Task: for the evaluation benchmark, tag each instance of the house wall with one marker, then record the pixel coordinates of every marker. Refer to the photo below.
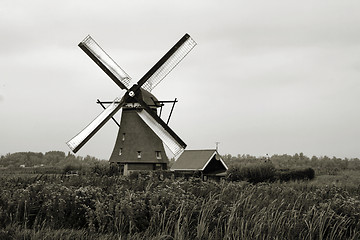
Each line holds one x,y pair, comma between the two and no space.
132,167
140,166
214,166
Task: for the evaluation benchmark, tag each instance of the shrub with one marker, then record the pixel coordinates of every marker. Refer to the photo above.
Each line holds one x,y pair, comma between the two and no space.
253,173
70,168
234,173
104,169
298,174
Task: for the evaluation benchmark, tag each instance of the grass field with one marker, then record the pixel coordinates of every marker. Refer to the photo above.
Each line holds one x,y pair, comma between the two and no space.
115,207
96,203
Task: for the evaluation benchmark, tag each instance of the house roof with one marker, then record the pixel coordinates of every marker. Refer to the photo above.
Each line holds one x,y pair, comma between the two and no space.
195,160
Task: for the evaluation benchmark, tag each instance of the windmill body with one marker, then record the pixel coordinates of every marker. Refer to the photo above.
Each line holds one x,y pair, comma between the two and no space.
142,133
137,147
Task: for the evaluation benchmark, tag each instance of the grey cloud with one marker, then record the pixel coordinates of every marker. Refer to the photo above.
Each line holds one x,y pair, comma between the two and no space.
262,71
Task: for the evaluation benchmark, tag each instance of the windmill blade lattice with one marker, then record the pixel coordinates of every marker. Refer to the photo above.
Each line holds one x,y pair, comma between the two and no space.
161,129
82,137
176,54
174,146
105,62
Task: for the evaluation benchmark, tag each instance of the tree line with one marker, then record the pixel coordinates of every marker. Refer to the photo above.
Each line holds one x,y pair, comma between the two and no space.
52,159
59,159
323,164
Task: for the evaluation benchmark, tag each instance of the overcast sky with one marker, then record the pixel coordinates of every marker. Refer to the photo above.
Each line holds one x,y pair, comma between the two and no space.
267,77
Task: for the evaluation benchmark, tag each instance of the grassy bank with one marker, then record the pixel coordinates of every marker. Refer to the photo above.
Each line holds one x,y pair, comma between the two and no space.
93,206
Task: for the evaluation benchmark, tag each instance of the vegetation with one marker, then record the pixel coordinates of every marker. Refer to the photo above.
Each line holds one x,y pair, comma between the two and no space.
321,165
266,172
52,161
98,204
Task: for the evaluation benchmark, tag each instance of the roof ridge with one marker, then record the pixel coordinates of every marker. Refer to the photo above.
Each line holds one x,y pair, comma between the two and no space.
195,159
200,150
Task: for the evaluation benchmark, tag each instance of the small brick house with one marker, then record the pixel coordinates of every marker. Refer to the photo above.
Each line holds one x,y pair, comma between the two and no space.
207,162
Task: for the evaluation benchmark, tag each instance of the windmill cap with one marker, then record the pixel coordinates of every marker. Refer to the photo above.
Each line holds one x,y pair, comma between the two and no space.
148,98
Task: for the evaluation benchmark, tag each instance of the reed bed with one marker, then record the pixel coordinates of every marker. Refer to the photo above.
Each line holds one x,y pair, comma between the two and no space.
117,207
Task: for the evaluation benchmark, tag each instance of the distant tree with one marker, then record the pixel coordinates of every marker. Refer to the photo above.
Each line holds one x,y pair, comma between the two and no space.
54,156
296,157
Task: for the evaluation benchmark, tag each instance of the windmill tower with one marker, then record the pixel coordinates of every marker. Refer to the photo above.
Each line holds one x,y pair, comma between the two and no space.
142,133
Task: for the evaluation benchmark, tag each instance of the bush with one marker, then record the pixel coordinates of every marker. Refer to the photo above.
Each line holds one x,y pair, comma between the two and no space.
105,169
299,174
266,172
253,173
70,168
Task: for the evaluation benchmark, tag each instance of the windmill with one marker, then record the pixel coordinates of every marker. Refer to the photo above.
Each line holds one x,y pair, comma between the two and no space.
142,133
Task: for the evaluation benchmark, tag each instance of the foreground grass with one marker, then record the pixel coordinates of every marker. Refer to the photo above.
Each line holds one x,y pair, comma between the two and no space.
17,232
108,207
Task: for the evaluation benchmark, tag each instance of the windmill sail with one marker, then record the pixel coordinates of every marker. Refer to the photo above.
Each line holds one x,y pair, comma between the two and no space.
149,81
174,146
172,58
105,62
81,138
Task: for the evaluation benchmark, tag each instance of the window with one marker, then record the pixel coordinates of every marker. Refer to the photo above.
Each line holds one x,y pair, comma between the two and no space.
139,154
123,137
121,168
158,154
120,151
158,166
